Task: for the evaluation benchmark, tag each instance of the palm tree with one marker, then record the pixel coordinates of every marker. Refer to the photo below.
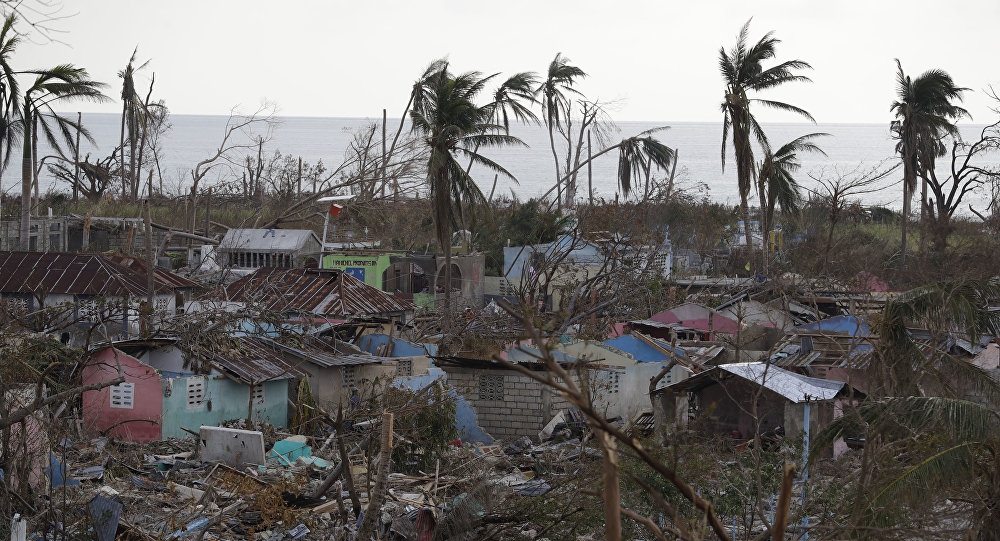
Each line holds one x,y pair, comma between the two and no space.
924,114
554,92
743,72
917,419
513,98
939,449
133,119
62,82
10,95
776,183
416,99
453,125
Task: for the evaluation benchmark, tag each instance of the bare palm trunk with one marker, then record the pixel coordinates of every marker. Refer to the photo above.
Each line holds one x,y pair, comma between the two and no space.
76,158
26,180
552,143
34,160
121,148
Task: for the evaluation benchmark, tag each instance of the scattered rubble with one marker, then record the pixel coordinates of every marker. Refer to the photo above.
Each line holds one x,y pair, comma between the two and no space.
225,486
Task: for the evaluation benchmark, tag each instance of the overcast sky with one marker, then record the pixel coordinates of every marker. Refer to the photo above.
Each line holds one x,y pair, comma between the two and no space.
657,59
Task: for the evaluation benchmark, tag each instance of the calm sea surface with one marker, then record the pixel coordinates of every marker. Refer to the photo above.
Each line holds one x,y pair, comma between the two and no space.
849,148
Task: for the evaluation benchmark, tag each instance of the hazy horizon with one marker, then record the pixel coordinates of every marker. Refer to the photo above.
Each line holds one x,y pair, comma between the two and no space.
646,61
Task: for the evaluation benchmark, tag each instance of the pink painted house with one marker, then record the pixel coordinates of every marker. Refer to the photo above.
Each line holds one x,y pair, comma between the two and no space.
162,396
118,407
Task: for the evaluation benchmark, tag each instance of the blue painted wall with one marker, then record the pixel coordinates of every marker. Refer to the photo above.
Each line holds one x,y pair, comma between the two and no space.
228,399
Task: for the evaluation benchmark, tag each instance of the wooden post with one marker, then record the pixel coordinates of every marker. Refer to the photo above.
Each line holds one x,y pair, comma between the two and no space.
208,211
395,193
376,496
150,266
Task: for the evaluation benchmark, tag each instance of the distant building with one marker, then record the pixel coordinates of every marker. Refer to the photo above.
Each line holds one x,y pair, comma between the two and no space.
316,293
78,234
249,249
82,291
414,277
576,260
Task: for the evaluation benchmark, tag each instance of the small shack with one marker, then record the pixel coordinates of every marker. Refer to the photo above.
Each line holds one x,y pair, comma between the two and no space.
722,401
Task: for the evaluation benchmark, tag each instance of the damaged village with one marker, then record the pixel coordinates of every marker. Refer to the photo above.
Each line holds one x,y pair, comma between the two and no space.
270,348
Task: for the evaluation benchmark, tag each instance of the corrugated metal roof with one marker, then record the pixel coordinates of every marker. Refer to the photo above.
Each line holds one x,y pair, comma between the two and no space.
249,360
79,274
794,387
328,293
162,276
267,240
326,355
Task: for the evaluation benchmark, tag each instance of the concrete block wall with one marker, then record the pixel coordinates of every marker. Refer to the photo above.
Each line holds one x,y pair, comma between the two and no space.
527,405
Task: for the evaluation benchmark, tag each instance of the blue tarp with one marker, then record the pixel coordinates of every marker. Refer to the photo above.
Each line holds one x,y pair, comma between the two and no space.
401,348
465,417
641,351
847,324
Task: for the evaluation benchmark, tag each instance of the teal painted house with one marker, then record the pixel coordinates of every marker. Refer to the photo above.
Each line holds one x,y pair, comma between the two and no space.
210,385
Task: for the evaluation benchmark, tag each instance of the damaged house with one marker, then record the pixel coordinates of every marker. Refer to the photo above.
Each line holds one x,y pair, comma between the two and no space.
244,250
171,385
722,401
322,295
86,295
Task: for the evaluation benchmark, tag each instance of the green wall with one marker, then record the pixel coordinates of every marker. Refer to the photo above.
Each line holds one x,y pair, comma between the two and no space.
229,400
370,266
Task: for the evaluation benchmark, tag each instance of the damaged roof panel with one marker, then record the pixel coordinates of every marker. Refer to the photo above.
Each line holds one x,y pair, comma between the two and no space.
251,361
330,293
80,274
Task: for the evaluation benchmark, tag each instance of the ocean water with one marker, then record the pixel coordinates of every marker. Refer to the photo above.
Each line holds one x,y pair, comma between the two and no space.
850,149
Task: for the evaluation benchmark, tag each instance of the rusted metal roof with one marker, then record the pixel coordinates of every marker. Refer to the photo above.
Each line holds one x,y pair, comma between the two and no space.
326,355
329,293
249,360
79,274
161,276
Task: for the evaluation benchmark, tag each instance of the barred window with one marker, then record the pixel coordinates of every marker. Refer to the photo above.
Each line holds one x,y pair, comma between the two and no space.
614,381
350,373
123,395
17,306
404,367
195,392
257,393
89,308
491,387
162,304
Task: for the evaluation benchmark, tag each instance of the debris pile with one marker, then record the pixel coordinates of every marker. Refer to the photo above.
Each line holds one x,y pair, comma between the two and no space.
232,483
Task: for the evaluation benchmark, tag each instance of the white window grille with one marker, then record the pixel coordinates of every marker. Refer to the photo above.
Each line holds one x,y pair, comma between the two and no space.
123,395
17,306
257,393
89,308
162,304
404,367
350,372
491,387
195,392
